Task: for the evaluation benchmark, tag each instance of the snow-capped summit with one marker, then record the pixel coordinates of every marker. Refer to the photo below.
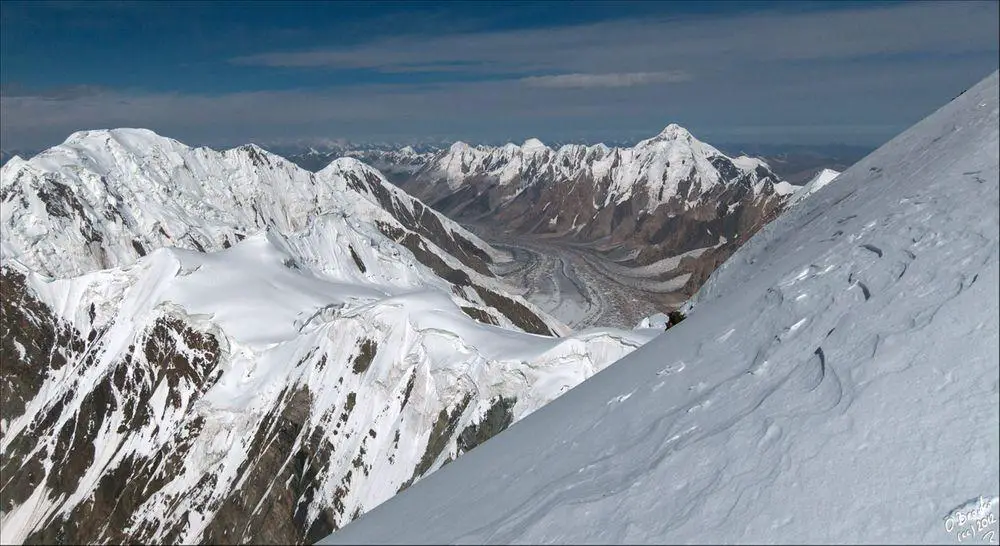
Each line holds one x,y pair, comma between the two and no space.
124,134
674,131
459,147
204,346
835,382
533,145
653,164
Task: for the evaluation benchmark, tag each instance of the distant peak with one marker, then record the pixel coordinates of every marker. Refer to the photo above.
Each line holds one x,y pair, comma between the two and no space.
252,147
459,146
124,132
253,150
346,164
533,144
673,135
408,150
674,131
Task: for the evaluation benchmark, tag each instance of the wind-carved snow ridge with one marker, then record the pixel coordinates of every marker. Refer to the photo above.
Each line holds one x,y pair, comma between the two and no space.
206,346
835,381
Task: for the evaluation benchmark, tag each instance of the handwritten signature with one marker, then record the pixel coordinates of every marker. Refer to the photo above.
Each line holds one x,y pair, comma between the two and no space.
980,520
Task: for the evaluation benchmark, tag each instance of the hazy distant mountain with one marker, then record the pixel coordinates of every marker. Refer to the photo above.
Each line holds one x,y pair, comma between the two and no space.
799,163
397,164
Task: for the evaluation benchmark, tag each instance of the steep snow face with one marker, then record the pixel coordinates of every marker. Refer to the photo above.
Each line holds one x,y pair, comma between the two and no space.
814,184
836,381
222,347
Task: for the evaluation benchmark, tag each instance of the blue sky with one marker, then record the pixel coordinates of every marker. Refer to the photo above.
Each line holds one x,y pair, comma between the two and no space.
233,72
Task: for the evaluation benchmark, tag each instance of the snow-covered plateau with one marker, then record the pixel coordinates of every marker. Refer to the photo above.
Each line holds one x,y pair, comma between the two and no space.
836,381
220,347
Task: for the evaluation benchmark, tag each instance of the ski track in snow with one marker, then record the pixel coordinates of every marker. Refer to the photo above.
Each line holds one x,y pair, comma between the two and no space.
836,381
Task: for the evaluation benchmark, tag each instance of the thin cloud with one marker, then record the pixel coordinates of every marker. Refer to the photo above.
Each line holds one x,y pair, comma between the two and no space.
852,72
649,45
781,110
628,79
67,92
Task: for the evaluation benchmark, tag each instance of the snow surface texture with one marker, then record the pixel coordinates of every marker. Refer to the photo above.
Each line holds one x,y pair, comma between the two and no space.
310,286
836,381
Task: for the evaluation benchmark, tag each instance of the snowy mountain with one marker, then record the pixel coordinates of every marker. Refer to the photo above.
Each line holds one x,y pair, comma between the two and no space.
657,168
822,178
836,381
205,346
103,198
664,197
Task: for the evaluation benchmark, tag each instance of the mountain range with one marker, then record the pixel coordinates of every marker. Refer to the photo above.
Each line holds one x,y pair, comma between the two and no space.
670,198
222,347
226,346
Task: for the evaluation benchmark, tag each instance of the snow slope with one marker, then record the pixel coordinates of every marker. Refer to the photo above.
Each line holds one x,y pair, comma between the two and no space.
836,381
208,346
